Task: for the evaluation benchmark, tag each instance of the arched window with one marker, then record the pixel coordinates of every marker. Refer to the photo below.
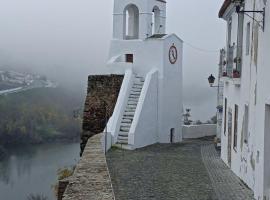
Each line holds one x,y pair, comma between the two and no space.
156,26
131,22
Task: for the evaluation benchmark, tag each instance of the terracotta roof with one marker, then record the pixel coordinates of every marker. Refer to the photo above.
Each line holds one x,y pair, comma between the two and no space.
224,7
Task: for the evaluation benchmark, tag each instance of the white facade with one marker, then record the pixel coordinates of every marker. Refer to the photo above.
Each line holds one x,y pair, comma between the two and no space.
149,106
245,135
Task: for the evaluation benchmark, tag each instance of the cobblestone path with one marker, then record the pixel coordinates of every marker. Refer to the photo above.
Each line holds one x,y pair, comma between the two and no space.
226,184
170,172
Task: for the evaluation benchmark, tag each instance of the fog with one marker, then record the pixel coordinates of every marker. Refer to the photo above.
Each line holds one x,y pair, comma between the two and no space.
69,39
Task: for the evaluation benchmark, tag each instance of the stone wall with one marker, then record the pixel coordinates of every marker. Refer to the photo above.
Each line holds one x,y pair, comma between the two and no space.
91,178
62,186
100,101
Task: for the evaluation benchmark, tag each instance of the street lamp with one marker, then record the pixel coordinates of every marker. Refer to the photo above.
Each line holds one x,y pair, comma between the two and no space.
211,80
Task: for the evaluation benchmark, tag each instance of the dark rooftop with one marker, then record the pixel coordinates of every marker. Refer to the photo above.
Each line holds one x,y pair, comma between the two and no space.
156,36
224,7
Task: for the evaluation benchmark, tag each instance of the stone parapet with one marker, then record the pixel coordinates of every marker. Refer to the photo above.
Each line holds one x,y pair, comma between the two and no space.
91,179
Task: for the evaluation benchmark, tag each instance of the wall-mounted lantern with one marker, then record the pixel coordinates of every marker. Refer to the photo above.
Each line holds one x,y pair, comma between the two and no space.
211,80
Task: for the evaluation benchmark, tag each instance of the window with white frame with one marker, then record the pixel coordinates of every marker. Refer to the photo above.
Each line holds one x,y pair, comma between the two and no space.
246,120
229,32
248,39
235,127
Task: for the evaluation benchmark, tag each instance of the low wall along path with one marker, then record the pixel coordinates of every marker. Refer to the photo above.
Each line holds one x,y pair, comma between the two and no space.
91,179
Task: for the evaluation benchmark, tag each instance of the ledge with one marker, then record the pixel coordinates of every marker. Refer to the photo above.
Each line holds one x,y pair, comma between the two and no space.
91,179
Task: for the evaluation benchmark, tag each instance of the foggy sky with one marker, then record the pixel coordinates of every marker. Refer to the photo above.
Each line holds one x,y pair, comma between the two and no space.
69,39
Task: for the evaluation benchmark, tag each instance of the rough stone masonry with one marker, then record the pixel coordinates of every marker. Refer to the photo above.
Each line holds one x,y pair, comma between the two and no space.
91,179
102,94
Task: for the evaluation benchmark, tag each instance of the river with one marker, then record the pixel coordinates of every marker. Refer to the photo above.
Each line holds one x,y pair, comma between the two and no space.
33,169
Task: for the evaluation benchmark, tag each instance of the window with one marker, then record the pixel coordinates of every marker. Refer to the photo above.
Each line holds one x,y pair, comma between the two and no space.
248,39
129,58
172,135
225,117
235,127
246,121
131,22
256,42
229,136
229,32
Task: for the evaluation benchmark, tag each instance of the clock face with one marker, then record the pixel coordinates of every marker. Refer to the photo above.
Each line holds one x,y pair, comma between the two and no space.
173,54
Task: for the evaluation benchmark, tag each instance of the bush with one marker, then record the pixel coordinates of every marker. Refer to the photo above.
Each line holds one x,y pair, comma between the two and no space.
65,173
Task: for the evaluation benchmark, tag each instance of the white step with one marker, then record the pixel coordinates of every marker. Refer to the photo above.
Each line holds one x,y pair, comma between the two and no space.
123,129
125,134
124,146
130,110
127,117
133,103
138,84
122,141
125,125
139,78
134,99
123,138
134,96
136,90
137,87
131,107
129,113
135,93
126,121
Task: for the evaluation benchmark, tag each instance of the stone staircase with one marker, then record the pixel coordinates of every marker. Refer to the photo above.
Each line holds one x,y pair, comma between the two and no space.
130,110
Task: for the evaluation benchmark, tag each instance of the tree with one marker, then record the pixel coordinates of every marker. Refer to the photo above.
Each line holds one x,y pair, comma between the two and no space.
214,119
198,122
186,116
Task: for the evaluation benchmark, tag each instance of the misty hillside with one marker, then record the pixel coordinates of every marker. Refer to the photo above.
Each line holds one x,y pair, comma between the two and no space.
39,115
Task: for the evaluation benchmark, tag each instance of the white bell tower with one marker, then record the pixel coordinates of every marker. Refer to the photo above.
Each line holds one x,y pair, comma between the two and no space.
149,106
138,19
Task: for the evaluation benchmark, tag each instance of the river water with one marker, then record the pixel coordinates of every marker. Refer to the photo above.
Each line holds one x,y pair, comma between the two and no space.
33,169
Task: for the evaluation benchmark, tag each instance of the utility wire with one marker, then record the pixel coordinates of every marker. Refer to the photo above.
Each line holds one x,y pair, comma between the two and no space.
259,22
201,49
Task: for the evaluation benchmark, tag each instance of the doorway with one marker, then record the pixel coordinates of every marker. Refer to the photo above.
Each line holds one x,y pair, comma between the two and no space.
172,135
266,151
230,138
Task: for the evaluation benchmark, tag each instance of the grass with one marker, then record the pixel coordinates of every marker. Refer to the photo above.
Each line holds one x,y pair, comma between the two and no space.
65,173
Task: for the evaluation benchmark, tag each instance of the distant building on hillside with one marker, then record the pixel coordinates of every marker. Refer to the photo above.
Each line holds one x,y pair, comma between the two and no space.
245,134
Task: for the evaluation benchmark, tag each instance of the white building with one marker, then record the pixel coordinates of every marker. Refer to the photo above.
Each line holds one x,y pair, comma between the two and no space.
245,135
149,106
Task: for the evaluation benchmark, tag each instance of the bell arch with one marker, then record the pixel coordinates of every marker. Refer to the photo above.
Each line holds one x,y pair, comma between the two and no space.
131,22
156,23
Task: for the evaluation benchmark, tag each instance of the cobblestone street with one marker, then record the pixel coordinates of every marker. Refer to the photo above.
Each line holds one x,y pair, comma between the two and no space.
191,170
